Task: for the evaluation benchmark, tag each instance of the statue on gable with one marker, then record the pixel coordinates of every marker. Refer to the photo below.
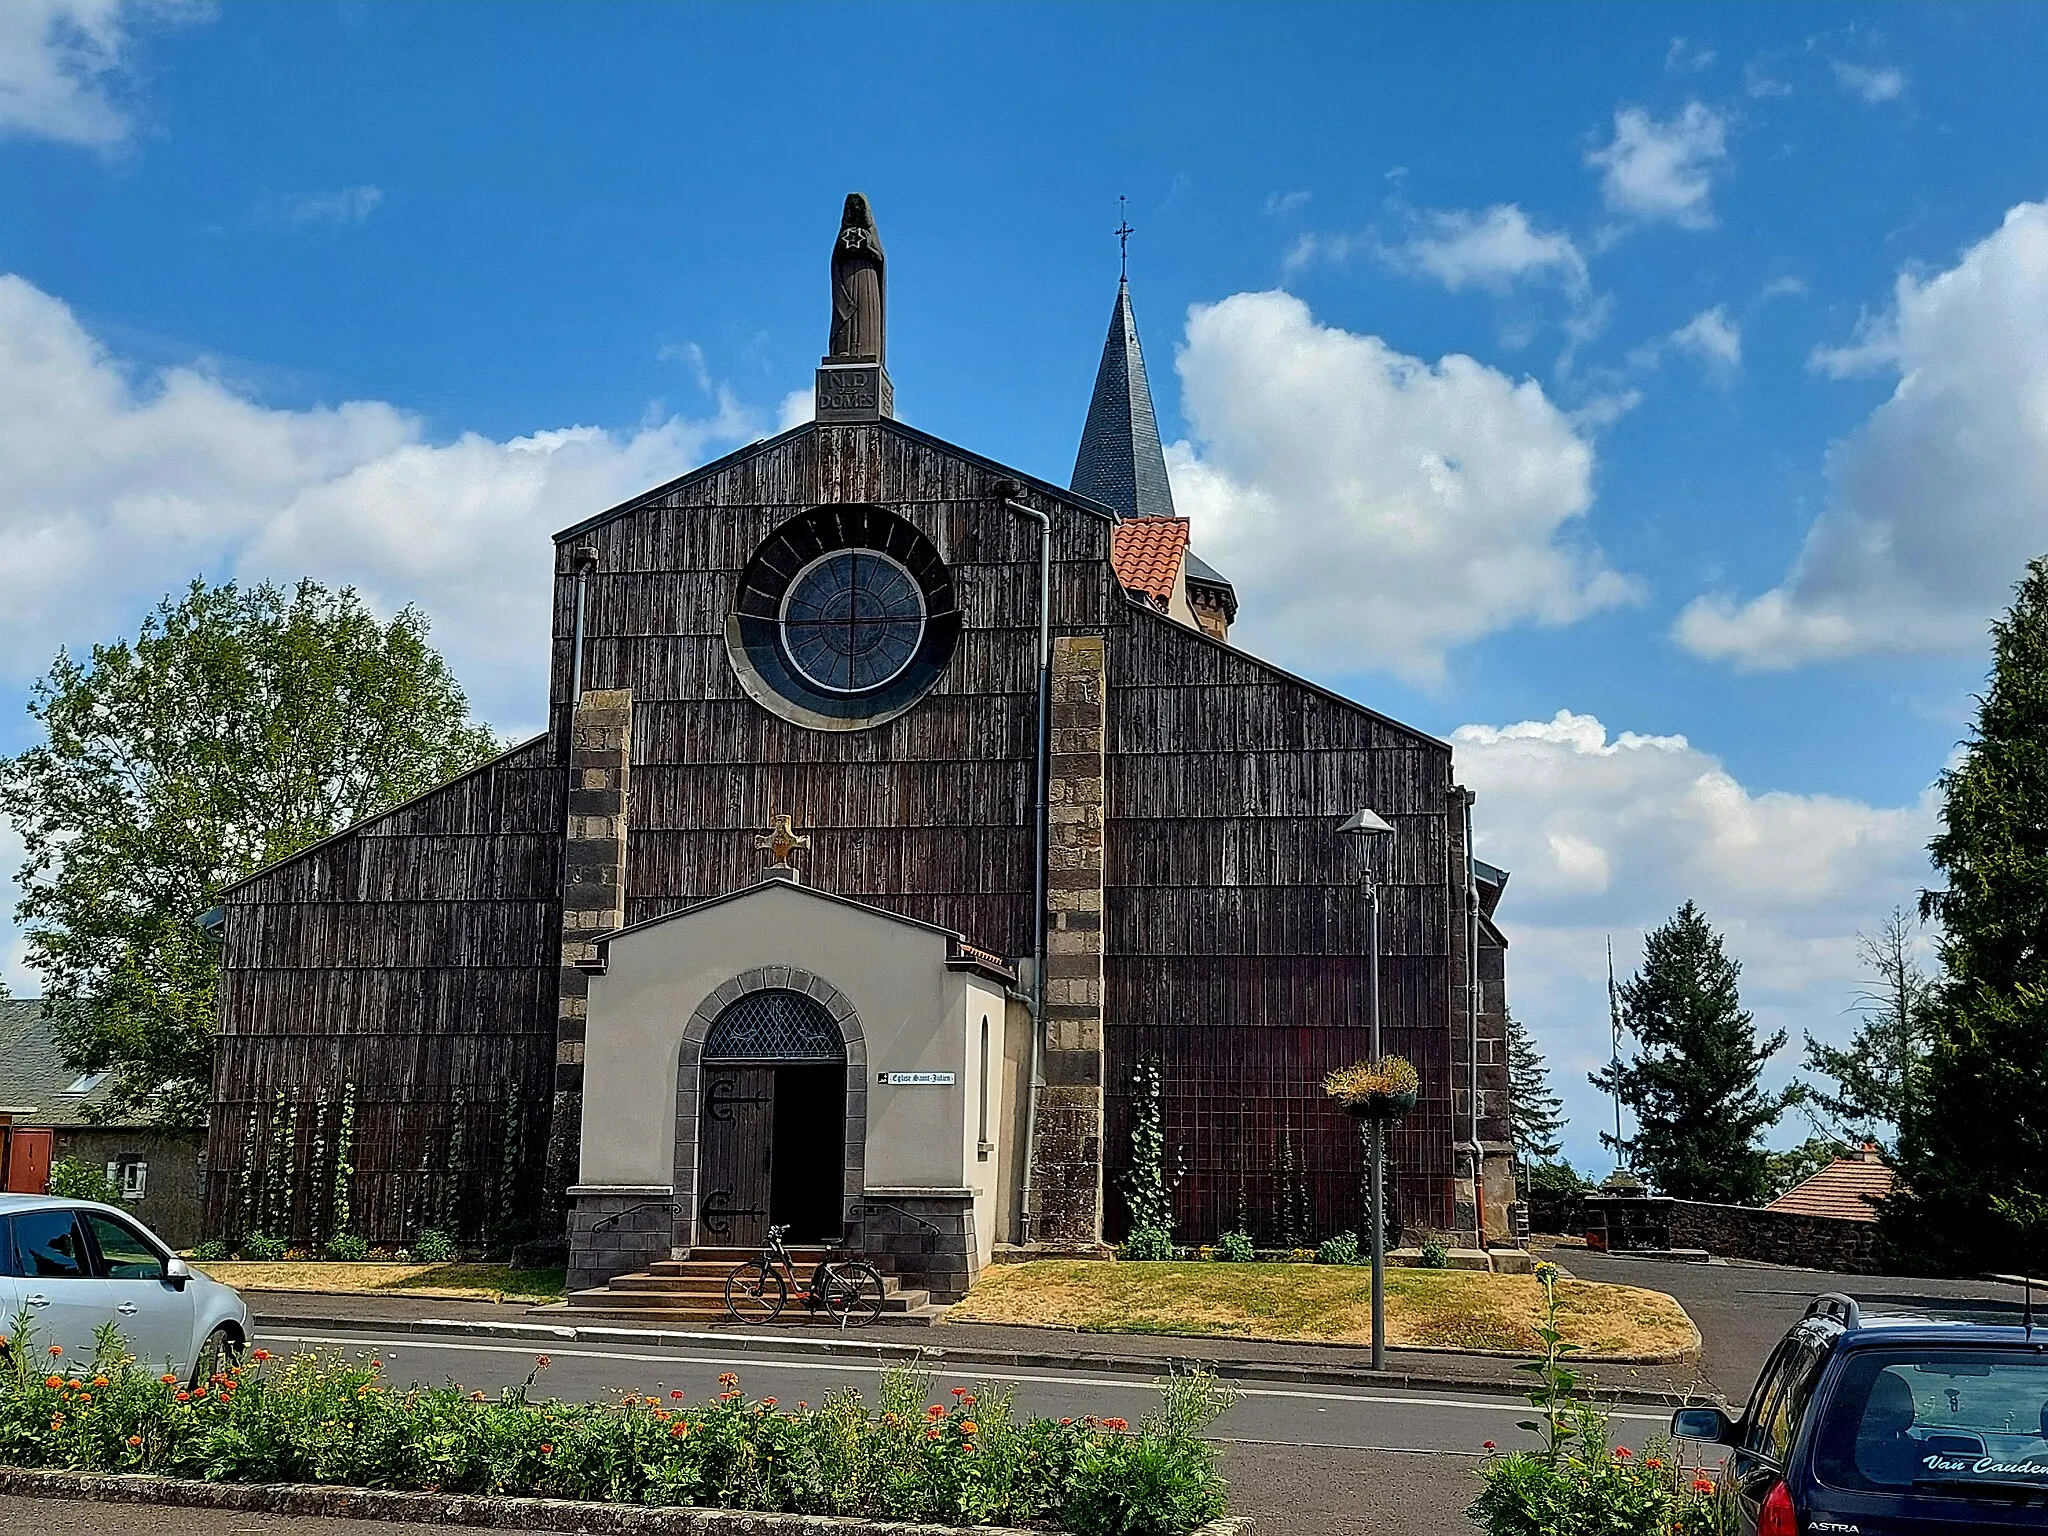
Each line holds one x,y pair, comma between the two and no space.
856,286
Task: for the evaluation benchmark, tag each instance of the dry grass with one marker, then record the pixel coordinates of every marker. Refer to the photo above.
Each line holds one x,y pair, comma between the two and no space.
1426,1309
471,1282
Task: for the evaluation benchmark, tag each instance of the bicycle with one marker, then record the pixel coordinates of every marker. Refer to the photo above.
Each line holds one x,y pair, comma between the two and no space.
849,1291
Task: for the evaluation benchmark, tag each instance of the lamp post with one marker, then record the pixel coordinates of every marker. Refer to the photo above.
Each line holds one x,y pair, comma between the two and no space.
1368,827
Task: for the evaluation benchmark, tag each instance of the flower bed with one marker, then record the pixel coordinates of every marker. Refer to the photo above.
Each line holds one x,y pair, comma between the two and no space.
966,1459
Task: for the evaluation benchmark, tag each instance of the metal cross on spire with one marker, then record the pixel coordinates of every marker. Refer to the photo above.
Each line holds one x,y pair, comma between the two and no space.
1123,240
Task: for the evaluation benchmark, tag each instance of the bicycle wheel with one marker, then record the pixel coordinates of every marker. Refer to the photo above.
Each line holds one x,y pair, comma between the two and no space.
851,1292
754,1293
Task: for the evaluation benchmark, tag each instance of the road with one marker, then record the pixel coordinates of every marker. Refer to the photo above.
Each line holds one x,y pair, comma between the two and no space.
1303,1460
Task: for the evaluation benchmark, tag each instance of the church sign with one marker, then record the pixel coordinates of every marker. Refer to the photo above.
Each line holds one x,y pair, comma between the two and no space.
917,1079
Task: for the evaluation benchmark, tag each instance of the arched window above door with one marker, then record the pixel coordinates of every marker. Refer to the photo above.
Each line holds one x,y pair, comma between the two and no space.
774,1024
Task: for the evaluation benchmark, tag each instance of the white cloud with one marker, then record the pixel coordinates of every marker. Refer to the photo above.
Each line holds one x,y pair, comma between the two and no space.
1711,337
1940,497
1687,57
1871,83
61,62
1655,170
121,488
1374,509
1607,834
1288,202
1492,250
332,210
798,406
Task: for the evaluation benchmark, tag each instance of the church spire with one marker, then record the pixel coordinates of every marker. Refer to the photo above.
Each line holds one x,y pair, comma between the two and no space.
1121,463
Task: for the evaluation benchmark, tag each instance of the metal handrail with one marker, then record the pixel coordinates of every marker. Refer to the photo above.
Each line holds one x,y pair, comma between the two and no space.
860,1209
605,1221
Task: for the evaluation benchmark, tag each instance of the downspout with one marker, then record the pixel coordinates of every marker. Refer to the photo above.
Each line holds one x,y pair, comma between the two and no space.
1472,1023
583,559
1008,490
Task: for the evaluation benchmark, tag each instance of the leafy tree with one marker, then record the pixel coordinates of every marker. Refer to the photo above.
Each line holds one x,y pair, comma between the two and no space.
1693,1083
1535,1114
1877,1074
239,726
1973,1148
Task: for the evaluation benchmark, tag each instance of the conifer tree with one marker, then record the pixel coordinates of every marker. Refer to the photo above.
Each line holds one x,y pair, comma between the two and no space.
1878,1073
1535,1114
1693,1082
1973,1151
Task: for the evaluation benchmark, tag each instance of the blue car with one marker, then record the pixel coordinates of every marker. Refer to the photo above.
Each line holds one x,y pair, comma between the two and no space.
1889,1425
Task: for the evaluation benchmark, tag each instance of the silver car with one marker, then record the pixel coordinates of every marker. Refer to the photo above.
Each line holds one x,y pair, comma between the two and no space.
72,1266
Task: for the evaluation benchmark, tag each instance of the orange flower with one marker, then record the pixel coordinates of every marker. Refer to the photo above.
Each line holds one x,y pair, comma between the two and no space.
1702,1485
970,1428
1065,1422
1119,1425
134,1442
99,1381
932,1433
936,1411
1489,1446
542,1361
168,1380
767,1402
802,1407
679,1431
53,1382
85,1397
184,1397
476,1397
1653,1461
56,1349
1622,1453
969,1400
261,1355
546,1449
56,1421
677,1396
959,1391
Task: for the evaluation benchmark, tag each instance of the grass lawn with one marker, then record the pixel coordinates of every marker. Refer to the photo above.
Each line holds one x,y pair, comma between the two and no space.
473,1282
1426,1309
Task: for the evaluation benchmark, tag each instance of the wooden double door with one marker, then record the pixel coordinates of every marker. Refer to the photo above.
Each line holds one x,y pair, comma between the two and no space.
772,1140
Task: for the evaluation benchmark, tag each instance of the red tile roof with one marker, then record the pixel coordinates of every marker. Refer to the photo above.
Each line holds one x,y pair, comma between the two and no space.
1845,1189
1146,554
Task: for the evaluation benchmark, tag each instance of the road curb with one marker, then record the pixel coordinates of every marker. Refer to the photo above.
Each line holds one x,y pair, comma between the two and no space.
935,1356
479,1511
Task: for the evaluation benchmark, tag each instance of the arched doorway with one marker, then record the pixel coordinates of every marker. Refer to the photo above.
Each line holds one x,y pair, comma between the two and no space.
772,1121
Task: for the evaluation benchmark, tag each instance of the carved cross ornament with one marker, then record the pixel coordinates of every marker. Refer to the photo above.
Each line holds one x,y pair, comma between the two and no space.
780,841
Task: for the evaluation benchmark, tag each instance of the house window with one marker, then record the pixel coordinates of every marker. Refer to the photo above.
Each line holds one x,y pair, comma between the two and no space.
131,1176
85,1082
985,1146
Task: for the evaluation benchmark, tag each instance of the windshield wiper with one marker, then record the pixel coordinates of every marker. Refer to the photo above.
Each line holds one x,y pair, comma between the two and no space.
2005,1486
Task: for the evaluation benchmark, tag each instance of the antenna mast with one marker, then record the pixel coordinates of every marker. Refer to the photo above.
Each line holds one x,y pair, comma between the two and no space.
1614,1075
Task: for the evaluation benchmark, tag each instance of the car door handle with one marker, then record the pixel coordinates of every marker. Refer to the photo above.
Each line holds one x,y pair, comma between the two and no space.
127,1309
36,1301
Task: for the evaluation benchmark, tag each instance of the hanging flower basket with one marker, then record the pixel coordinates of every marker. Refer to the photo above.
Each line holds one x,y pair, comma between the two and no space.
1385,1089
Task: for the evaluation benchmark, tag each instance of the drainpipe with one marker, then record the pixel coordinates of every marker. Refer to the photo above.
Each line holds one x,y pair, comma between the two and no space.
1472,1024
1009,490
583,560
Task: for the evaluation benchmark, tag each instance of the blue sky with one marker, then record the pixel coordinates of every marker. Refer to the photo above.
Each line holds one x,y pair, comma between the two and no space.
1680,369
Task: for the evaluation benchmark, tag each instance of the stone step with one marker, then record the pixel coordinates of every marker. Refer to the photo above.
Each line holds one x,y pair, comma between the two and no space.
681,1309
654,1291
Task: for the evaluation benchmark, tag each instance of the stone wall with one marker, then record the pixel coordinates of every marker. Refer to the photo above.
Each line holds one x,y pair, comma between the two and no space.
617,1230
926,1238
171,1196
1622,1224
593,902
1066,1192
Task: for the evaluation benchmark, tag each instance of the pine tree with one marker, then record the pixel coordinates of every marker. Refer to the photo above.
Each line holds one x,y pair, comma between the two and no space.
1973,1151
1535,1114
1878,1073
1693,1082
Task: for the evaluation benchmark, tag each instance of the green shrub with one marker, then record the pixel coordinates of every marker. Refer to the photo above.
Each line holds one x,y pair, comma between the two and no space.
1341,1249
433,1246
72,1178
1234,1248
1434,1254
212,1251
349,1247
259,1248
1147,1243
967,1459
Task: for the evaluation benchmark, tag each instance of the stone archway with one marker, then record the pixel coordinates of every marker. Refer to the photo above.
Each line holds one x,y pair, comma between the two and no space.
687,1231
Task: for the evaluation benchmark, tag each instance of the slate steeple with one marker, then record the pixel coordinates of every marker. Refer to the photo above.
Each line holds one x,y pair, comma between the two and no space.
1121,463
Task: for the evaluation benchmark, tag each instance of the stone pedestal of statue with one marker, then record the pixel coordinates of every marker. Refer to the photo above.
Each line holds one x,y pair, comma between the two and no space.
854,392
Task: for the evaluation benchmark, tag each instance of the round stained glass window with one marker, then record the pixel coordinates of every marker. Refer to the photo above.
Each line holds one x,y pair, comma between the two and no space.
852,620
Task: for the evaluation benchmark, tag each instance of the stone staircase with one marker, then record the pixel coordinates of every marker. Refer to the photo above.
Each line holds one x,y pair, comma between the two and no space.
688,1293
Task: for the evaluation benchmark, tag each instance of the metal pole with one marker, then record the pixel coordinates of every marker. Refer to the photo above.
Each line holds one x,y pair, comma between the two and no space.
1378,1157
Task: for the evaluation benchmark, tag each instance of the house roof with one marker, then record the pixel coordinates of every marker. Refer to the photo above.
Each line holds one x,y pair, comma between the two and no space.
36,1087
1121,463
1846,1189
1146,553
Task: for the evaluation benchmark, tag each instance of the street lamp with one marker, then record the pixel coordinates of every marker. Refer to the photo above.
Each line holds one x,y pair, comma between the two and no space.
1368,827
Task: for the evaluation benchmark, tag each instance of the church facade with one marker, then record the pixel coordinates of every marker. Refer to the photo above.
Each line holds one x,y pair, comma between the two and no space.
1050,836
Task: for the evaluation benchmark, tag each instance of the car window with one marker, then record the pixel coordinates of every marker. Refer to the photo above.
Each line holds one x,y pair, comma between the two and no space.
123,1253
1765,1399
49,1246
1802,1372
1936,1420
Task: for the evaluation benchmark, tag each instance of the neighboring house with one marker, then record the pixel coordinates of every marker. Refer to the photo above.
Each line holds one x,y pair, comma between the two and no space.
1848,1188
43,1118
